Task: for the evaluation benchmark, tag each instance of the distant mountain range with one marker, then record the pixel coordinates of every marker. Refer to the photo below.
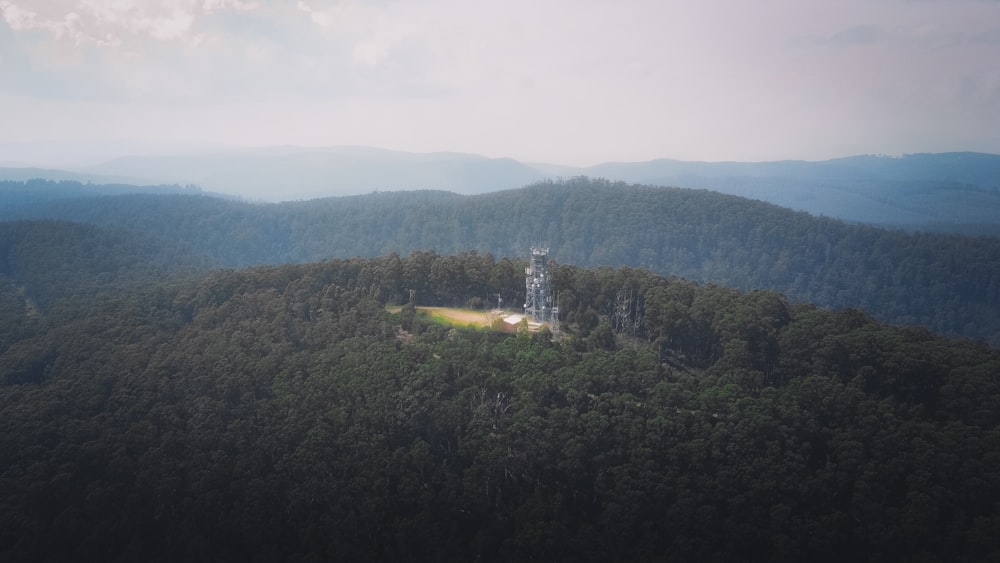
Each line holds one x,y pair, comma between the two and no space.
294,173
27,173
954,192
948,192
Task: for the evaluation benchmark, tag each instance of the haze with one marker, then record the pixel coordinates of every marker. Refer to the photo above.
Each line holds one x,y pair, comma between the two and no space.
569,82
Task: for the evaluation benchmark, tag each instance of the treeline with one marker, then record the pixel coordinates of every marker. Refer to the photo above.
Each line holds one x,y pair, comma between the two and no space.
282,414
948,283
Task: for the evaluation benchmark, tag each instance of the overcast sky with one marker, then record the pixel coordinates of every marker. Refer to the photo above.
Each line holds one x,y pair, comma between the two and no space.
563,81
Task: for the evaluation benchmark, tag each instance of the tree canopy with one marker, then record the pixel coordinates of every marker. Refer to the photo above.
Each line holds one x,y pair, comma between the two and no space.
282,413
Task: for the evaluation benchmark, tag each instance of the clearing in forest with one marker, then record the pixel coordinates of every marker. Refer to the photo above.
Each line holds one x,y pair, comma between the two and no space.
456,317
460,317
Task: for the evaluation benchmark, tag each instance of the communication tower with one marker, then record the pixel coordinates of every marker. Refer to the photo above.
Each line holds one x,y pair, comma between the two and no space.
538,303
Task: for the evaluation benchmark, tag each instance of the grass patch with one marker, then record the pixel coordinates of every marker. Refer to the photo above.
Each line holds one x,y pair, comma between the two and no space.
451,316
458,317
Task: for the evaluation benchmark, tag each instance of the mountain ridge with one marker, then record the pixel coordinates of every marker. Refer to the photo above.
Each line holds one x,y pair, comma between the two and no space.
951,192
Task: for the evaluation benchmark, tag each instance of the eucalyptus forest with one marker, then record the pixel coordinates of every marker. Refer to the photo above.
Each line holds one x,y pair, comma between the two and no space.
244,382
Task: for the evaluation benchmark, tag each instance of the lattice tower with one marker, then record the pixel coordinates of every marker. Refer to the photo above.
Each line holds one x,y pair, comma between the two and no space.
538,303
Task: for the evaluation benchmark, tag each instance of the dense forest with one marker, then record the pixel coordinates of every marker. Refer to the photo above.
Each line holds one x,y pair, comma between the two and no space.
948,283
282,413
50,261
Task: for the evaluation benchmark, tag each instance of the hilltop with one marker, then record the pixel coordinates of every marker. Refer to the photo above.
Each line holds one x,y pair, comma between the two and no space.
947,283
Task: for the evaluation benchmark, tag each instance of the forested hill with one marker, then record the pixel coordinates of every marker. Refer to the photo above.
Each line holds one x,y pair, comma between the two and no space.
283,414
950,284
957,192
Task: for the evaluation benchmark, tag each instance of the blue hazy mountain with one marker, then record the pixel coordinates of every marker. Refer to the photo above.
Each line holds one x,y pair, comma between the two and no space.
957,192
948,192
293,173
27,173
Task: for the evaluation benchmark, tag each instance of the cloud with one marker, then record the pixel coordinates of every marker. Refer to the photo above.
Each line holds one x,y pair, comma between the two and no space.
989,37
638,78
209,50
59,23
110,23
158,51
916,35
374,31
858,35
321,17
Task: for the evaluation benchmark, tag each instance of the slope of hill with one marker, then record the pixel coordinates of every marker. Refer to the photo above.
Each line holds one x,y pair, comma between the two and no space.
50,261
282,414
948,283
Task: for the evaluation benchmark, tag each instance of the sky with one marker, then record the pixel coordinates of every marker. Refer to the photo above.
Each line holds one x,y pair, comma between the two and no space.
574,82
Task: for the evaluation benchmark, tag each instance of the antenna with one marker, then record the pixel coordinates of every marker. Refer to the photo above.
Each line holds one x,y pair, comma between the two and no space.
538,288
